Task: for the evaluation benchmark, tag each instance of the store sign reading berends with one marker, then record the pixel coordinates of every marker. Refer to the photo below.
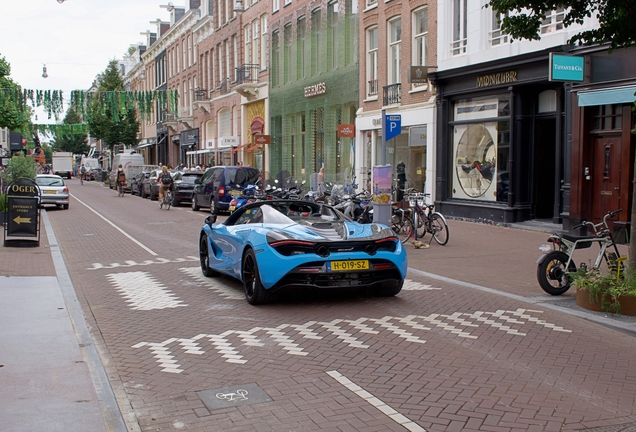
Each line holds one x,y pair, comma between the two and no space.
316,89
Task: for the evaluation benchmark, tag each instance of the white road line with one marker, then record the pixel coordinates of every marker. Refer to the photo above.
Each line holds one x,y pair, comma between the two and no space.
143,292
384,408
115,226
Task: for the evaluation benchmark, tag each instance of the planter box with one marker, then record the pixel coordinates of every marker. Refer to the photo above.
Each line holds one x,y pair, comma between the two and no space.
628,303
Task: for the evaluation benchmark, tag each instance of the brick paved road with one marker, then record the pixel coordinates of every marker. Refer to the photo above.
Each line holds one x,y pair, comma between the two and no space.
185,352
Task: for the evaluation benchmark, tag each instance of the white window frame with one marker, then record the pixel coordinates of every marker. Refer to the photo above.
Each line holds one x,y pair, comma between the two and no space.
255,43
372,61
275,5
553,21
460,32
263,64
247,57
394,51
420,43
496,37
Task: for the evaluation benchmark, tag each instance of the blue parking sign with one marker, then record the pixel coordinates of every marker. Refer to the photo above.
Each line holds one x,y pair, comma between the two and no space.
393,125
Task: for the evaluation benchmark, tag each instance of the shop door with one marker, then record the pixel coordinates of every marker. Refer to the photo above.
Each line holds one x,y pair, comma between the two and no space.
545,148
606,176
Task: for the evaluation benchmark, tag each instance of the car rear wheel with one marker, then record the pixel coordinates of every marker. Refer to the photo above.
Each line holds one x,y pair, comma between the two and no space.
391,290
195,206
214,209
255,293
204,257
65,206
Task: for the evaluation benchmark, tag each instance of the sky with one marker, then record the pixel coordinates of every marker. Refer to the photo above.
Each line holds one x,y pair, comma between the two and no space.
75,39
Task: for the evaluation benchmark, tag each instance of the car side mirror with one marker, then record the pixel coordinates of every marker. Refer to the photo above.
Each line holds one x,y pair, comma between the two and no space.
210,219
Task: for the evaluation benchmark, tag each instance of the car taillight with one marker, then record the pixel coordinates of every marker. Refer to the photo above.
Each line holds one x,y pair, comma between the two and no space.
292,247
387,244
65,190
222,191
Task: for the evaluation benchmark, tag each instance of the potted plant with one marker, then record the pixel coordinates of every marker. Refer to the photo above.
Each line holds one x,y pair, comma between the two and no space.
3,207
614,293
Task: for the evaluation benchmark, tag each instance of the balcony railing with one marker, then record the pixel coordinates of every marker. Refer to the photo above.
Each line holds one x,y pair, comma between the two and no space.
392,94
373,87
247,73
200,94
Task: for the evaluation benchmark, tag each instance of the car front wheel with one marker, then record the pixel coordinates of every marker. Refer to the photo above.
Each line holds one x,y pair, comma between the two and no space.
204,256
195,206
255,293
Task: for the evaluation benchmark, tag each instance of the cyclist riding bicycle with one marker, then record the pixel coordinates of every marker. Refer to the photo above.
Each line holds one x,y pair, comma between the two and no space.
82,173
166,183
121,178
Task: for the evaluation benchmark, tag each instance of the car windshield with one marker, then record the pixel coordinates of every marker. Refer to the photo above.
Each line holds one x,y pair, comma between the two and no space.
285,213
185,178
241,176
49,181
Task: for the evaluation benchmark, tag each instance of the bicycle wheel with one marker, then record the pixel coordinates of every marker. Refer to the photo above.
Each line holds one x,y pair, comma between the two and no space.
439,228
402,227
167,200
419,223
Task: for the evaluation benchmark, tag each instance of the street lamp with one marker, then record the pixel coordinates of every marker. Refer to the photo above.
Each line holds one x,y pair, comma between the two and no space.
44,74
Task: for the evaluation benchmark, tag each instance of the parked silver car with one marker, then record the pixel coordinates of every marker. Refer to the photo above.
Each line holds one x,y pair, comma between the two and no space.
53,190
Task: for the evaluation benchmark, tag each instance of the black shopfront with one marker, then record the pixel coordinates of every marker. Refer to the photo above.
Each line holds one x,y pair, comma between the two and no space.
502,148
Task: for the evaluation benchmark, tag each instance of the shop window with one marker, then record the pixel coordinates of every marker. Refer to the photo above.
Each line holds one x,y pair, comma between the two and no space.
480,150
547,101
608,117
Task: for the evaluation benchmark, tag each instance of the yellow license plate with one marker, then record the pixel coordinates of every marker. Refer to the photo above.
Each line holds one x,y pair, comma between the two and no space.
348,265
232,208
236,193
50,192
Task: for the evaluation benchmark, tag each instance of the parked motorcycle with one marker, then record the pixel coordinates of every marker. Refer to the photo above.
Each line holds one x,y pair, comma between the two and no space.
556,264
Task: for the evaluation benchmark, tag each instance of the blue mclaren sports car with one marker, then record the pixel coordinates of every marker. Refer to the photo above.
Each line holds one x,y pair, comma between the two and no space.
269,245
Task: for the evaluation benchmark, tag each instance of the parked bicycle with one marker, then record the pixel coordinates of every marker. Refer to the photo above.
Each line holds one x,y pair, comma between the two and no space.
554,267
426,219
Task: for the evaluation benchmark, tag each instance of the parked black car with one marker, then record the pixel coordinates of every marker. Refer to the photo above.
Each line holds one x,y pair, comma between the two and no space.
136,183
184,183
220,184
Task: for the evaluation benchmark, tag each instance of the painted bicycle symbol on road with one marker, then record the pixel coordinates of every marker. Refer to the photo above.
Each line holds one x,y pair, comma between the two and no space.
238,395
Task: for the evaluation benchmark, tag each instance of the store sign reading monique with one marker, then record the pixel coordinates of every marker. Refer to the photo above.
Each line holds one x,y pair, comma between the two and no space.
497,79
316,89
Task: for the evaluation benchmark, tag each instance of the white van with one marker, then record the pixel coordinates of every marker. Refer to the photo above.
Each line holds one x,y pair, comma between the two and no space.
130,162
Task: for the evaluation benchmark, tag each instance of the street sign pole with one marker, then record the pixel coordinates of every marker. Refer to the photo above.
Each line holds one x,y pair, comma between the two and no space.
383,137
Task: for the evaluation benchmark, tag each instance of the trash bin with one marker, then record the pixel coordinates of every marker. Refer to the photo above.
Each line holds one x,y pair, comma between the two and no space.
382,213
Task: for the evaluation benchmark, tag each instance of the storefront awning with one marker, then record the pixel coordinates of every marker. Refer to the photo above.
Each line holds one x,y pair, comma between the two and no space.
612,96
235,149
195,152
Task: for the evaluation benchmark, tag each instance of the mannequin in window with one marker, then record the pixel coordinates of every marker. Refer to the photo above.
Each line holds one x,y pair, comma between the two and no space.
401,178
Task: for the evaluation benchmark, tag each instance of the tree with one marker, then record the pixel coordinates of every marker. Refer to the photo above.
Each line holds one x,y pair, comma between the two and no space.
617,18
522,19
113,128
74,143
13,114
